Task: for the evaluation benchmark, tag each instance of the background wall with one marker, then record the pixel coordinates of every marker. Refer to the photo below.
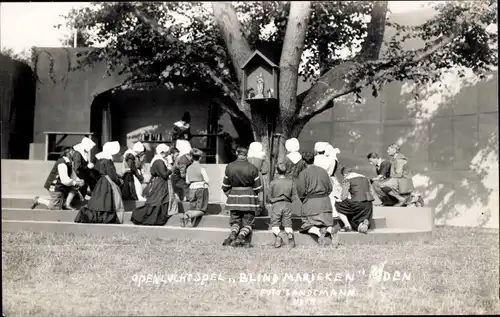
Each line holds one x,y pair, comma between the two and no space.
64,96
449,133
17,101
155,111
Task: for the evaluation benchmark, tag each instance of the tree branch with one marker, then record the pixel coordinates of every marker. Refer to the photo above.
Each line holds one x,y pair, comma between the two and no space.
230,91
151,22
230,27
334,85
226,87
370,49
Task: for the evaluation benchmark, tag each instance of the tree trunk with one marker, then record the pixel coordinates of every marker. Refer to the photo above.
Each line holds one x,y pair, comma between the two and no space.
245,131
293,46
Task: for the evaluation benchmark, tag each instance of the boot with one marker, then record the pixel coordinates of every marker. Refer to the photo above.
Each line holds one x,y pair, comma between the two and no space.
363,227
183,221
239,242
229,240
278,242
189,222
323,240
291,240
400,198
35,202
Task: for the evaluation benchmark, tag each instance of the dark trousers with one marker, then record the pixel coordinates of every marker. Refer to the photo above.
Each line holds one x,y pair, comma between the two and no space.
241,222
198,199
281,214
355,211
90,177
180,186
382,194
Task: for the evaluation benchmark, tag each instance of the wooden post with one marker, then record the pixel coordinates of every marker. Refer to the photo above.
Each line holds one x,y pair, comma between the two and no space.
46,158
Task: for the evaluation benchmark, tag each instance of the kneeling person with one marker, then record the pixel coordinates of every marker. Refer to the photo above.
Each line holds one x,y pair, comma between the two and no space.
242,185
197,180
61,187
358,207
282,192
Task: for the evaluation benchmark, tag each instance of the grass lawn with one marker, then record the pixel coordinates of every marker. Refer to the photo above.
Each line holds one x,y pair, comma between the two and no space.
68,275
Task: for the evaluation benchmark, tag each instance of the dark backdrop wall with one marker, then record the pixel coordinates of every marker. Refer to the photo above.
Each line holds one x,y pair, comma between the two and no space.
17,99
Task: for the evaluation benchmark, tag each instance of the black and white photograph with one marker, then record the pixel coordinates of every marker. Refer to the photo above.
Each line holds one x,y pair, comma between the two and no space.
249,158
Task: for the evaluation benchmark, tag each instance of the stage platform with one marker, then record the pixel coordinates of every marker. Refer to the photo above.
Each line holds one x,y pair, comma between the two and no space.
22,180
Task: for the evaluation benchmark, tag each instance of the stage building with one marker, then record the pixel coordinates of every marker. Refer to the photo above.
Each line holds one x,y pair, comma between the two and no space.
449,133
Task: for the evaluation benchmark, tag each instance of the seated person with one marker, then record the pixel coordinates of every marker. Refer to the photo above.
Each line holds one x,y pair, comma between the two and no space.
399,184
356,200
383,170
61,187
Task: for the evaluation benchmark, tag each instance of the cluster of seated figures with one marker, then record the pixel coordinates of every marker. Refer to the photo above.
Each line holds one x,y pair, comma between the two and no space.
393,185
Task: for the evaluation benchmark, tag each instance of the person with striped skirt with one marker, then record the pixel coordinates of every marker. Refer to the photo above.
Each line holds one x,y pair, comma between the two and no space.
242,186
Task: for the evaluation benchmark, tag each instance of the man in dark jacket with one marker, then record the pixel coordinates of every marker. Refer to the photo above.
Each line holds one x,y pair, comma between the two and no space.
242,185
383,171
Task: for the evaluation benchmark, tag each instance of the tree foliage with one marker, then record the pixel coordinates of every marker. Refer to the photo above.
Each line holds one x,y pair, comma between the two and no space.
82,39
185,44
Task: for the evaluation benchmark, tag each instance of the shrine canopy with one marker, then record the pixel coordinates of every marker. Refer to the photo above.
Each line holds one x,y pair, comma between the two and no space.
260,78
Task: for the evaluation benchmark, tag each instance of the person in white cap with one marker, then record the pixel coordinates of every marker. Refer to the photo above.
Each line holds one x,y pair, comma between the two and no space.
155,211
356,200
331,168
294,164
197,180
314,187
132,173
257,157
62,188
105,204
320,158
83,166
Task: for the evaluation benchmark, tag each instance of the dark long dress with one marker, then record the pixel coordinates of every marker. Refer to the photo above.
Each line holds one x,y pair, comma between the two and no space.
292,171
359,207
128,187
314,187
155,210
89,175
101,207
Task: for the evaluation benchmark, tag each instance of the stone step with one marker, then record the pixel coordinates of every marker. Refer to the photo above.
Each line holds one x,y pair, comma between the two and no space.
216,235
395,217
214,208
207,221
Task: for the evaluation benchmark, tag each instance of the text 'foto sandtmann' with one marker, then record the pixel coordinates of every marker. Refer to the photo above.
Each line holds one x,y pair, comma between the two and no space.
267,278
